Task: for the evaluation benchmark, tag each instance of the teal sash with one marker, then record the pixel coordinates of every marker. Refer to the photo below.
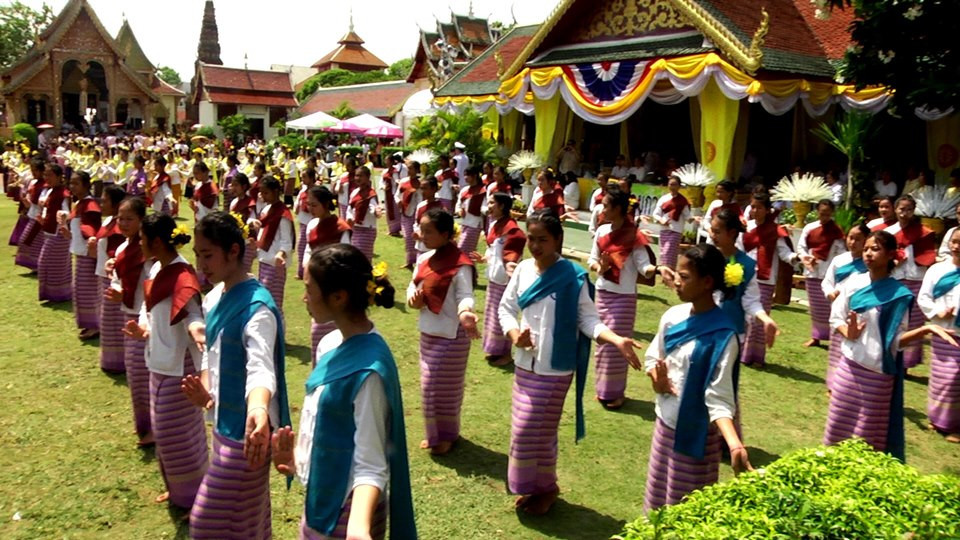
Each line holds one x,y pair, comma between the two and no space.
894,299
712,331
733,306
946,284
571,348
227,320
342,372
843,272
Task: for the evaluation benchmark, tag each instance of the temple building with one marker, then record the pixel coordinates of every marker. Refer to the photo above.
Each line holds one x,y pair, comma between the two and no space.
449,48
77,74
350,55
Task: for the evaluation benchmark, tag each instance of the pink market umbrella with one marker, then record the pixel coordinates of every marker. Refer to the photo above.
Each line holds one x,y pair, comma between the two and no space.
386,132
346,126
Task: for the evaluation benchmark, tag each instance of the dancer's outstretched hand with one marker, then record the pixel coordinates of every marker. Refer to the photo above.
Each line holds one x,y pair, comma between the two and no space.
283,441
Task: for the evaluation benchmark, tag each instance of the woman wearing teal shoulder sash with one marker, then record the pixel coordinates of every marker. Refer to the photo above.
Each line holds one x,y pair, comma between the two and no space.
841,268
871,314
241,385
351,453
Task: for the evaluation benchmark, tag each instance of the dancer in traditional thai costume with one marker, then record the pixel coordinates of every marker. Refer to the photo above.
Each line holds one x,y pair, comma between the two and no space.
206,194
351,452
363,213
388,182
442,289
940,300
548,312
241,384
245,207
428,201
126,288
819,243
259,172
768,244
324,229
171,324
672,212
888,215
447,179
344,186
867,397
620,256
160,189
31,241
505,243
105,244
275,238
408,199
302,211
842,267
53,265
918,246
691,362
944,252
469,209
548,195
81,232
498,183
726,193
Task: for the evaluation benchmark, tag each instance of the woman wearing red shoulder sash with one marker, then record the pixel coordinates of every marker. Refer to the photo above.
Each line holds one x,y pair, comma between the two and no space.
363,213
505,243
769,245
105,244
429,187
408,198
547,195
469,209
388,182
301,209
917,247
244,206
672,213
820,242
442,290
726,199
324,229
83,225
885,206
275,239
53,265
160,191
29,252
621,256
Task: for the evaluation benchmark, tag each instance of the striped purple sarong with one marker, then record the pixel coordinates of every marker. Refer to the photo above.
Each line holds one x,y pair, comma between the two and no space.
468,239
54,270
537,405
943,394
618,312
443,368
755,344
446,204
409,244
233,503
859,405
138,380
86,292
317,332
249,255
29,254
18,229
181,437
833,358
393,225
301,248
112,320
363,239
494,342
671,476
669,247
275,280
913,353
819,310
378,523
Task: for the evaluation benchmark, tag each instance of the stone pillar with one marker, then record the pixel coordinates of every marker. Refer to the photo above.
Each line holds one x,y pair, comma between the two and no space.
57,67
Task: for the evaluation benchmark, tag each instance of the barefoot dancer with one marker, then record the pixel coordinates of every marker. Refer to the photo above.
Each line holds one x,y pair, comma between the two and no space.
819,243
505,243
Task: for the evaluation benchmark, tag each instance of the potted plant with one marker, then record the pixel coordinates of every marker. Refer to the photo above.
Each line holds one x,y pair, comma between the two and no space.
694,177
525,162
935,204
803,191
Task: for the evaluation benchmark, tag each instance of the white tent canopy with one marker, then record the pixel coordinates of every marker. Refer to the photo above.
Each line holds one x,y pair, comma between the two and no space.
315,121
369,121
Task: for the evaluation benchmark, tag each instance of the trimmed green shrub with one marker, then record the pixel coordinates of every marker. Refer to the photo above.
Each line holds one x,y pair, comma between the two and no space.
25,132
352,150
843,491
207,131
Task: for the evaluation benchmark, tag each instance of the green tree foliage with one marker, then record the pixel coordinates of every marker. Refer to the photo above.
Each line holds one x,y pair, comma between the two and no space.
25,132
19,26
908,45
849,136
441,130
169,76
207,131
401,68
234,127
341,77
343,111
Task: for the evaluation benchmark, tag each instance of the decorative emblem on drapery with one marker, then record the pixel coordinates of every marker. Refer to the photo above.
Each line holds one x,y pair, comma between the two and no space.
604,83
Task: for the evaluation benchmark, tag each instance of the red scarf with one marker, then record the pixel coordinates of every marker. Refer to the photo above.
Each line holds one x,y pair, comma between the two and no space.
424,208
497,187
360,203
88,210
923,240
821,239
727,206
302,201
128,267
513,238
552,200
328,231
254,190
270,224
113,236
884,224
472,199
598,198
162,178
206,194
53,204
388,193
764,239
437,272
407,190
619,244
177,281
35,190
447,174
675,206
245,206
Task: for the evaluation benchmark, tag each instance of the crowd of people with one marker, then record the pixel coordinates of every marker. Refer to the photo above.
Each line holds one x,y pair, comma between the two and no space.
205,341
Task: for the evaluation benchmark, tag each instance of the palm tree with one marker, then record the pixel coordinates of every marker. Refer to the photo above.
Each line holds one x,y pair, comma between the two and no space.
849,135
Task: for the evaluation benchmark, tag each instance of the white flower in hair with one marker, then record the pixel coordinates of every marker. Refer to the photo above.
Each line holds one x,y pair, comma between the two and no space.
695,175
523,160
801,188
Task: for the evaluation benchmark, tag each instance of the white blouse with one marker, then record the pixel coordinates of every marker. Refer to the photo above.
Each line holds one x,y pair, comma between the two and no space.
829,283
944,252
303,212
539,317
468,219
259,337
820,268
167,345
164,193
719,396
675,226
370,219
282,241
703,232
117,285
783,254
307,250
78,244
102,249
867,349
908,268
639,259
459,298
415,199
930,306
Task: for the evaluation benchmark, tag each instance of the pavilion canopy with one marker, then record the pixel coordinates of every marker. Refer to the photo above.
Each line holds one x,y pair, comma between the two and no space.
316,121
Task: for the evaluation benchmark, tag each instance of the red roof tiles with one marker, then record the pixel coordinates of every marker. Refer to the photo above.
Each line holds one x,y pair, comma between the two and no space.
245,79
378,99
251,99
833,34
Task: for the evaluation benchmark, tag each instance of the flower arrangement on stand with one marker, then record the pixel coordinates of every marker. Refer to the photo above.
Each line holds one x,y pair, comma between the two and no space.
695,177
803,191
935,204
524,162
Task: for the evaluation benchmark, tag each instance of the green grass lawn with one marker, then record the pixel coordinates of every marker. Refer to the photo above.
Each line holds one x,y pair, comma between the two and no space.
69,467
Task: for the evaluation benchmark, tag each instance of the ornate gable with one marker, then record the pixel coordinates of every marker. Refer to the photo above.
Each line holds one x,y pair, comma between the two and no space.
625,19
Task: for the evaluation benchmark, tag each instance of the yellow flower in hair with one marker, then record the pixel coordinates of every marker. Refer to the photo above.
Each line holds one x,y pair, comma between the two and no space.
372,291
733,273
380,269
177,232
456,232
241,223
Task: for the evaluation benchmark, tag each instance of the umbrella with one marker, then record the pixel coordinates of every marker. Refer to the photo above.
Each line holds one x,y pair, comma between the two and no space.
387,132
116,124
196,126
317,120
345,126
45,126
